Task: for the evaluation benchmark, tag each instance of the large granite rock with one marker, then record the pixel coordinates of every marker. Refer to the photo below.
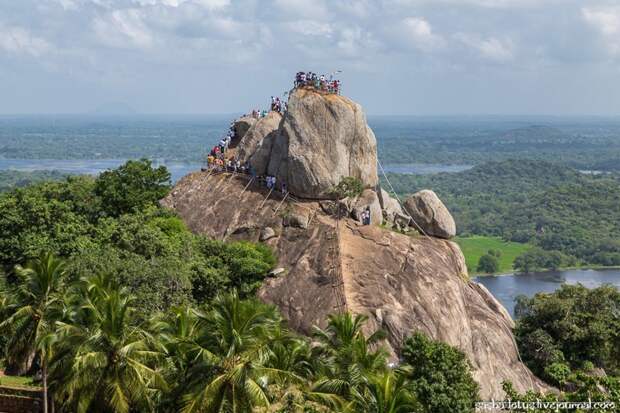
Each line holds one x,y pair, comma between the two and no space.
401,283
255,145
430,214
241,127
323,138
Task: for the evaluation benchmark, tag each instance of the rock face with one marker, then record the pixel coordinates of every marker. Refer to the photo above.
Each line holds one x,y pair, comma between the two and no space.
321,139
430,214
241,127
255,145
402,283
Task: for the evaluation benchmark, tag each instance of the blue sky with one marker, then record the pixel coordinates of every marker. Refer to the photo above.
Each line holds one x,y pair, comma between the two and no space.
415,57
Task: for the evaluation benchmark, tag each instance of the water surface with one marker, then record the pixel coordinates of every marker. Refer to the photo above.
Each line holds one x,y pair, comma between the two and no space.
507,287
91,166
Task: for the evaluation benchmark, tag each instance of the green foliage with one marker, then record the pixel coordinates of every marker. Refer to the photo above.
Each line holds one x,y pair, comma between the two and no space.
440,376
11,179
604,391
582,145
52,216
388,392
233,369
572,326
489,263
348,187
536,259
231,355
549,205
30,314
104,359
132,187
347,356
149,250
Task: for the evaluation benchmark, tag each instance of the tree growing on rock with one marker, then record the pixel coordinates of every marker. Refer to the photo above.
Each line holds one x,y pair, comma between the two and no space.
348,187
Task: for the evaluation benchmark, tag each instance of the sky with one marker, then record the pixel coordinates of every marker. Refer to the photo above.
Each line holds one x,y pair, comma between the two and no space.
400,57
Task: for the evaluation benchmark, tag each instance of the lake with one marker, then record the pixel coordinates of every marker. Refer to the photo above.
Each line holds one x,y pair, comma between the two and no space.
506,287
91,166
177,169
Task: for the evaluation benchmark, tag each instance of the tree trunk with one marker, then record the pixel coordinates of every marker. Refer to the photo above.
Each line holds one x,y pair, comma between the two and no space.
44,373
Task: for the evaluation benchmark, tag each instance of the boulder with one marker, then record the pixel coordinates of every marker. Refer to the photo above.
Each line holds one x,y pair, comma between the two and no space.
401,221
391,207
322,139
430,214
266,234
255,146
331,207
296,218
368,199
241,127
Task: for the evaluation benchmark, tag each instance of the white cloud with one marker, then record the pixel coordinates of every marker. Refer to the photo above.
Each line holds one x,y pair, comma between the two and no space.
18,40
605,20
68,4
355,42
208,4
315,9
419,33
491,4
124,29
310,28
490,48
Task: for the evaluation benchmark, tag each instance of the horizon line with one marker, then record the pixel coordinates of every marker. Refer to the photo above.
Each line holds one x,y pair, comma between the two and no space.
412,115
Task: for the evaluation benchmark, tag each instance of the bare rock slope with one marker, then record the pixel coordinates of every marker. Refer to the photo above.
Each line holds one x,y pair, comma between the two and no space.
402,283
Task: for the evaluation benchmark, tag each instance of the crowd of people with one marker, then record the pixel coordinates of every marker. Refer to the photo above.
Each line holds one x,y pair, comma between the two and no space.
257,113
219,161
277,105
318,82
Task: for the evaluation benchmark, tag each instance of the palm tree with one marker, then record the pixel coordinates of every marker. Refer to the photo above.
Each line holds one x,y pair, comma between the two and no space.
347,357
105,360
232,371
177,330
387,392
33,313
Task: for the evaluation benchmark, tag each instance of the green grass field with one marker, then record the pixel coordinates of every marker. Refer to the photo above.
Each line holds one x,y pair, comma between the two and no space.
16,381
474,247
